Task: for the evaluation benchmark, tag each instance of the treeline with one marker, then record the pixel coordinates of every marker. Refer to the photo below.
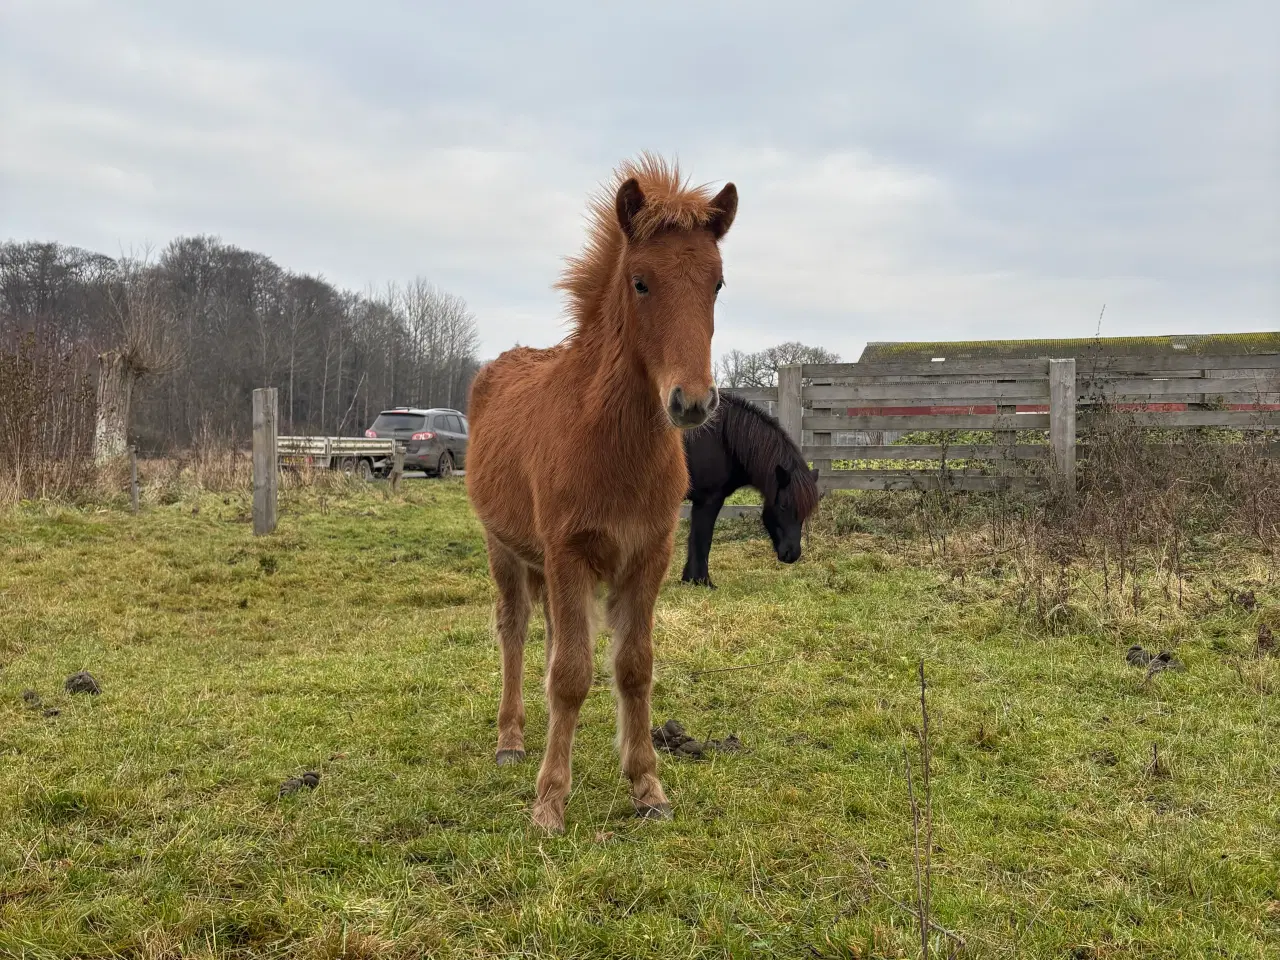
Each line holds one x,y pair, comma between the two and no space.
191,332
759,368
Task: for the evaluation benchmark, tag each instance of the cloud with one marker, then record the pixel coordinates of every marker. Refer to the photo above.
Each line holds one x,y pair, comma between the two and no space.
992,170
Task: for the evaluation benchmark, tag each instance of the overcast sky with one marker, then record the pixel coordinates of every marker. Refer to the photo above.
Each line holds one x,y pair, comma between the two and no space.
906,171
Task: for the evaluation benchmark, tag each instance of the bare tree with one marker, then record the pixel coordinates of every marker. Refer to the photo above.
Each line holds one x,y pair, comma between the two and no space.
144,345
759,369
443,340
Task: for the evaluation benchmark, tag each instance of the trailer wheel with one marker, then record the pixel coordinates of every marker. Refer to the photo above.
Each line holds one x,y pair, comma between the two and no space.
364,470
348,466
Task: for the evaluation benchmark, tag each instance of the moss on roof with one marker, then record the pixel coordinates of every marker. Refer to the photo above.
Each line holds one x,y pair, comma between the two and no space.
1211,344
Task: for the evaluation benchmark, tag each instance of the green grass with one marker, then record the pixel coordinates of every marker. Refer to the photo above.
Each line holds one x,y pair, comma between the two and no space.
145,822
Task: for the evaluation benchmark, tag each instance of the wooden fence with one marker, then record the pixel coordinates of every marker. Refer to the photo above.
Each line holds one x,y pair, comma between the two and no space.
845,417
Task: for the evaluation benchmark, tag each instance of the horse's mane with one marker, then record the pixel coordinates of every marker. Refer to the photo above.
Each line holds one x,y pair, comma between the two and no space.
669,203
759,442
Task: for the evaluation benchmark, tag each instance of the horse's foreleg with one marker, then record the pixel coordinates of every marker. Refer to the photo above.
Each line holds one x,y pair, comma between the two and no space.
702,524
631,619
512,609
571,598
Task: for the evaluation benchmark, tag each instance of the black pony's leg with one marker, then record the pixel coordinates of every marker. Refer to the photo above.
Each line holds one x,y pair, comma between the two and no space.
690,563
702,523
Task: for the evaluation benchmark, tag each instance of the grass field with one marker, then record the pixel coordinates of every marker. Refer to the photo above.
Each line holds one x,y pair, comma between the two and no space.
146,821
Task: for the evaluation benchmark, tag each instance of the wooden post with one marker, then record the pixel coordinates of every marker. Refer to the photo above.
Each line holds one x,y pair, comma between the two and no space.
266,467
1062,424
1005,439
133,477
790,404
397,467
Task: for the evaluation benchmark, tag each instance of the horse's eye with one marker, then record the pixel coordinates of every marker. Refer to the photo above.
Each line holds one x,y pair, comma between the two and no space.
719,285
641,287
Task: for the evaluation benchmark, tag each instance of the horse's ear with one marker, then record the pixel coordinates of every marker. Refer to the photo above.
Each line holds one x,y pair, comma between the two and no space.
628,202
783,476
723,209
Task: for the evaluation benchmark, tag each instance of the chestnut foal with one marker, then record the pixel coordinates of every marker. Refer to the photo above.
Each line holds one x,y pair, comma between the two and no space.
576,466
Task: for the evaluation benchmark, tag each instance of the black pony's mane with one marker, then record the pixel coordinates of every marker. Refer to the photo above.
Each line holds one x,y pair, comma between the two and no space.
760,444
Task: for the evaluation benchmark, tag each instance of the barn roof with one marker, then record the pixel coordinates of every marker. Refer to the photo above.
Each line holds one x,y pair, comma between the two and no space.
1210,344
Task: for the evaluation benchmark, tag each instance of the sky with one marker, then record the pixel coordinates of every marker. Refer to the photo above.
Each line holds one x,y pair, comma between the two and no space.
912,171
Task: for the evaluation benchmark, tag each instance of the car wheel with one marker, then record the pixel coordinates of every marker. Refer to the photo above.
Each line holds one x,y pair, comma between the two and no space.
444,469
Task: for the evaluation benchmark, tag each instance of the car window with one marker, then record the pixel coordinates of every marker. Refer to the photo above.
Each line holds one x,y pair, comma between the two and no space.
442,423
466,430
388,422
457,423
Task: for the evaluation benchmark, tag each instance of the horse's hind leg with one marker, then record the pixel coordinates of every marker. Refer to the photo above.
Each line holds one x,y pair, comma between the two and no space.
513,624
631,619
538,595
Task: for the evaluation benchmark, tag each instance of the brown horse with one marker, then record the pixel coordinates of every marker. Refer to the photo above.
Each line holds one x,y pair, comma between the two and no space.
576,466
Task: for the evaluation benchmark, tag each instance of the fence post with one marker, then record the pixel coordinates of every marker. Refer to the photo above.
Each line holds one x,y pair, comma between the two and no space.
266,468
133,477
397,467
1062,424
790,405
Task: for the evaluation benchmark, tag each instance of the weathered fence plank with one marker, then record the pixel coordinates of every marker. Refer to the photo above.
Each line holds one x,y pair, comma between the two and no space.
1247,387
969,421
1011,368
266,471
925,480
1175,419
959,451
754,394
931,394
1086,367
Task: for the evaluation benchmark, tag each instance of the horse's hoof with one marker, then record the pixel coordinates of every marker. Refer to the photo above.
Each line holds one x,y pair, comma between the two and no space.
548,818
658,811
507,757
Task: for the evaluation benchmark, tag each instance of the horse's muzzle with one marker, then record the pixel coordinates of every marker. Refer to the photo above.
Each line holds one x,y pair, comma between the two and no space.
685,411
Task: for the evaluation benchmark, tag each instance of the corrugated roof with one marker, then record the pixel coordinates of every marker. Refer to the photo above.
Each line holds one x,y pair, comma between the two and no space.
1210,344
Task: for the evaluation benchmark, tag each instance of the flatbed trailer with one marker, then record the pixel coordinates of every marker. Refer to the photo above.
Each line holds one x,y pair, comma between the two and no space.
363,457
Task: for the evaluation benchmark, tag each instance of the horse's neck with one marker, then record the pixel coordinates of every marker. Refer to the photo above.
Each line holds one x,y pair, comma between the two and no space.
618,384
756,470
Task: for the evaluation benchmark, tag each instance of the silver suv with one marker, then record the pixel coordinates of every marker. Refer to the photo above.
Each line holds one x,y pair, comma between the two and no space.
436,439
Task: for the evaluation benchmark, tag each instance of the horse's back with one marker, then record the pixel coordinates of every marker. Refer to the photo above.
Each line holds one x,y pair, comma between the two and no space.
512,371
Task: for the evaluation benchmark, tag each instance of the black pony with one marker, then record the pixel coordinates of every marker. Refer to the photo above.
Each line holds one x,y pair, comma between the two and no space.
742,446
